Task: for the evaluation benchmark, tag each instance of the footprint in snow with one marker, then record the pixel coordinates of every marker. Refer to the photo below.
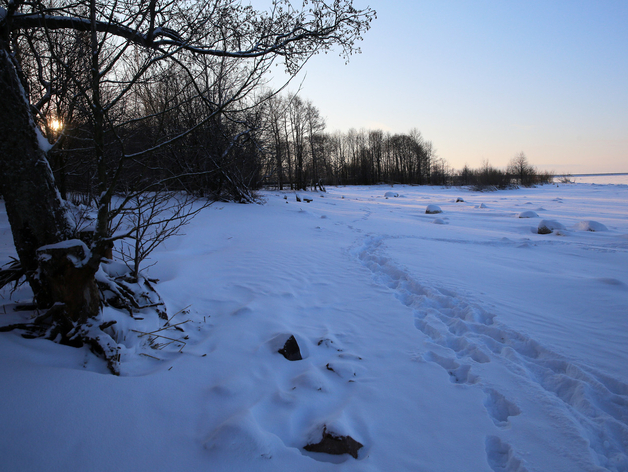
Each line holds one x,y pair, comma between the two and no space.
459,374
499,408
501,457
463,348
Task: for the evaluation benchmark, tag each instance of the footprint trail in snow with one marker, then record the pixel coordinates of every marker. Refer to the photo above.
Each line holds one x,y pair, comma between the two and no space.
461,336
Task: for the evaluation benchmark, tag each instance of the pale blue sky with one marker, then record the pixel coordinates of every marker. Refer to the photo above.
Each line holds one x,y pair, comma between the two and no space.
489,79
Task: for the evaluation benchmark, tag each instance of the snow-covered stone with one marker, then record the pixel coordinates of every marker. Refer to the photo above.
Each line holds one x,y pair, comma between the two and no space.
391,195
528,214
589,225
433,209
548,226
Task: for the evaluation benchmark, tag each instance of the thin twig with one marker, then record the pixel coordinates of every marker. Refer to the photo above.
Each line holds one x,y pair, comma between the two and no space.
148,355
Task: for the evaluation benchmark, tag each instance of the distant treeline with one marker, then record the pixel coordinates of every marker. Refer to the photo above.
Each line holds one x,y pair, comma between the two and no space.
299,153
519,172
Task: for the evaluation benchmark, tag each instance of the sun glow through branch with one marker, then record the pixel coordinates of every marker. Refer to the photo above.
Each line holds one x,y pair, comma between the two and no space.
56,125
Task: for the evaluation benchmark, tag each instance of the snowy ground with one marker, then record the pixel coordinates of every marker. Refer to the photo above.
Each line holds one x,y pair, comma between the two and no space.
458,341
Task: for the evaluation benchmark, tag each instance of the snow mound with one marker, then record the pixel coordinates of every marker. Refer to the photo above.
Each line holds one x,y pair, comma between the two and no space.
589,225
391,195
528,214
481,205
548,226
242,436
439,221
433,209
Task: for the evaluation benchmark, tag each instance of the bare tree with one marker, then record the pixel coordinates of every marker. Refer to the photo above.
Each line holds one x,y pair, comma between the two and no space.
315,127
276,109
521,169
298,127
151,219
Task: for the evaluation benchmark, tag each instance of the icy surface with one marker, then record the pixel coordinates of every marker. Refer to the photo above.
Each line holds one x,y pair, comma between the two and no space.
476,345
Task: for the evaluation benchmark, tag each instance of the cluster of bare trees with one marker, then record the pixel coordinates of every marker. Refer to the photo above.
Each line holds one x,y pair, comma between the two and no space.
372,156
299,153
519,172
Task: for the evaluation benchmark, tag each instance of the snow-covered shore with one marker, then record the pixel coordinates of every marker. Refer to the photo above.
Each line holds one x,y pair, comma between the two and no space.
456,341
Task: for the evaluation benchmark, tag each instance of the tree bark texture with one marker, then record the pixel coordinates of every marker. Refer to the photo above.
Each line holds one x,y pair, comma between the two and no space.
62,270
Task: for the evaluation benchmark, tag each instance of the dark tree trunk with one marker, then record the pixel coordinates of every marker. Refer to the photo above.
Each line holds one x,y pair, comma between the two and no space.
36,212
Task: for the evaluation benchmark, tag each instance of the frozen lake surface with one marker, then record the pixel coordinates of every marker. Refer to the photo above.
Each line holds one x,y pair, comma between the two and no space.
601,179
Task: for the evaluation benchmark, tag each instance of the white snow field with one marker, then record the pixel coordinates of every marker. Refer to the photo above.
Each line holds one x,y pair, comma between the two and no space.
475,344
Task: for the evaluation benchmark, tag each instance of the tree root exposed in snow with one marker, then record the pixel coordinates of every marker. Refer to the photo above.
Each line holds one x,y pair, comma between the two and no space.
124,292
152,336
56,326
12,273
130,294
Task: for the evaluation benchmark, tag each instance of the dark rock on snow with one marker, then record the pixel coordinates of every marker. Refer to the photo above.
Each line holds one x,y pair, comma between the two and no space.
331,444
291,350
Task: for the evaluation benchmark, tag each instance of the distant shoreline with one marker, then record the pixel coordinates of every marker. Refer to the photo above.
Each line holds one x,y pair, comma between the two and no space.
596,175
